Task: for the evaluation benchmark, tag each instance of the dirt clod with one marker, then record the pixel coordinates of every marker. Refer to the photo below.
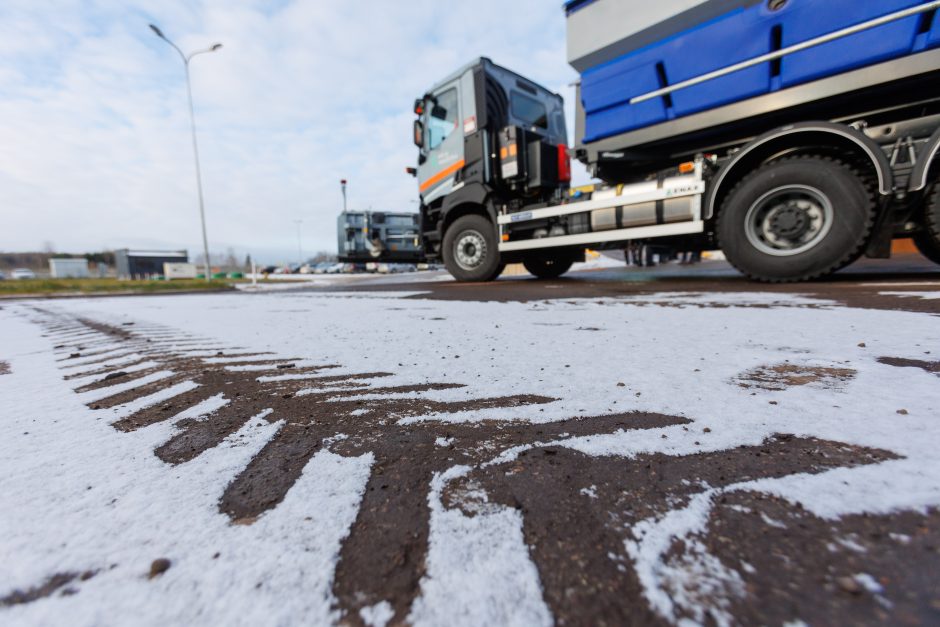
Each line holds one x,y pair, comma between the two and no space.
159,566
848,584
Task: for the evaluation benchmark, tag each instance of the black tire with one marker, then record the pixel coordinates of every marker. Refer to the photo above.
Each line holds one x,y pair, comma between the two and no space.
470,249
796,219
548,266
928,239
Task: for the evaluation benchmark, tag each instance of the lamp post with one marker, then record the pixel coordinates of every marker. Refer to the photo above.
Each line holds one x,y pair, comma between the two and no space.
192,121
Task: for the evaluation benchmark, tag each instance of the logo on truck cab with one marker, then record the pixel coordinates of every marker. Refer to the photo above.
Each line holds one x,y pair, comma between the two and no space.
683,190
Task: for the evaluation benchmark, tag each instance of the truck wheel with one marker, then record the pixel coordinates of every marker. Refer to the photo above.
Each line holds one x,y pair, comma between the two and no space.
547,266
928,240
796,219
470,250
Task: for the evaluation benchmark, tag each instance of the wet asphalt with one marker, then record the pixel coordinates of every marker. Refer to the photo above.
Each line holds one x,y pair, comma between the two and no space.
863,284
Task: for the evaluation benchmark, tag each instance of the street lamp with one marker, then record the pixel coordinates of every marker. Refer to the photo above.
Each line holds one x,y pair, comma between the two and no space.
192,121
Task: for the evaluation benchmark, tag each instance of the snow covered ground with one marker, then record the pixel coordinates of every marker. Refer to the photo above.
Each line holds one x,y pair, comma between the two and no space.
93,505
279,282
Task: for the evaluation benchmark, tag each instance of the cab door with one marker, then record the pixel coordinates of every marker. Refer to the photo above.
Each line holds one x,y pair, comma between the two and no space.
443,146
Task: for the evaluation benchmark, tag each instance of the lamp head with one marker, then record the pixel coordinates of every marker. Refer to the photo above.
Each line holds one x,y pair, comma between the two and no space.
158,32
215,47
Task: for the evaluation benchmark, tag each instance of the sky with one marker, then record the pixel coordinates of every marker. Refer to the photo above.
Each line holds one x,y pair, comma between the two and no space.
95,147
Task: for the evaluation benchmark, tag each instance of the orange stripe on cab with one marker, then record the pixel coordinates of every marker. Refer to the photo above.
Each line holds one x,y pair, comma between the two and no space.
440,176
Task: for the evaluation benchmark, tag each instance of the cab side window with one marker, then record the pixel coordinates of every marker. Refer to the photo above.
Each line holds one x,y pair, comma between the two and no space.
528,110
442,119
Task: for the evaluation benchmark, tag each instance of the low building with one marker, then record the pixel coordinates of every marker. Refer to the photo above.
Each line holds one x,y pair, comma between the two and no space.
68,268
133,264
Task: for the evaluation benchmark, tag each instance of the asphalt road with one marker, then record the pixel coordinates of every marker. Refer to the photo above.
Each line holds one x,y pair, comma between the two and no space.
862,284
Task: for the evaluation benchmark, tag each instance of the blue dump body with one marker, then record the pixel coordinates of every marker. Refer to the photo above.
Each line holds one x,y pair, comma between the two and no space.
739,35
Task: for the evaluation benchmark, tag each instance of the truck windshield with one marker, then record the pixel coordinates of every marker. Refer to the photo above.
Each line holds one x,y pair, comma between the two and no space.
529,110
443,118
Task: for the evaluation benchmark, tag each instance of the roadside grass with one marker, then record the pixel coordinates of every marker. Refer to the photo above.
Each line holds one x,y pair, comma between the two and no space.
26,287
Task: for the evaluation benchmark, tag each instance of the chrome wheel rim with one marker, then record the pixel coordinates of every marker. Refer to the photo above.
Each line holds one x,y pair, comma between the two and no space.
470,250
788,220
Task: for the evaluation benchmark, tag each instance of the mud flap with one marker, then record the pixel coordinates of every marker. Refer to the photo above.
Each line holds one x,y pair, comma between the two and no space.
879,246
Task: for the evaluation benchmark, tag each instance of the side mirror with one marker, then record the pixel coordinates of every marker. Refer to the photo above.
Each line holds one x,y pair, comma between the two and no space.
419,134
419,106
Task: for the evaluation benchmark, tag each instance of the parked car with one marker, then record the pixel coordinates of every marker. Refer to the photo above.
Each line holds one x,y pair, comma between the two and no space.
22,273
2,276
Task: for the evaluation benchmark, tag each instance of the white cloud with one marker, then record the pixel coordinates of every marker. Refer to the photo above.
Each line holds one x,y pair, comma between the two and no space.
94,136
